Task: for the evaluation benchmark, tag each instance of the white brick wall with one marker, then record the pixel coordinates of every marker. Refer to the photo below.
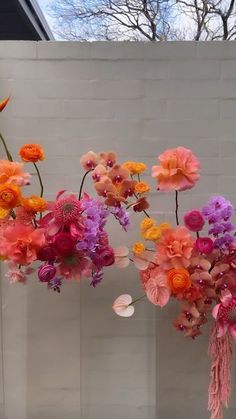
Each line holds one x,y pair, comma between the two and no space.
68,355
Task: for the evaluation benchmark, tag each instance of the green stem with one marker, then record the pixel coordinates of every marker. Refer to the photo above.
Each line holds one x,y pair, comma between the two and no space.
82,183
5,148
40,179
176,208
137,299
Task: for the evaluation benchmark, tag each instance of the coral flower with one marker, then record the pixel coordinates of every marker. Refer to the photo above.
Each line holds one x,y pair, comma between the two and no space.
118,174
225,315
122,306
156,287
31,153
4,103
10,196
64,212
127,188
142,187
105,186
34,203
22,242
174,248
12,172
99,173
178,170
108,159
89,160
178,280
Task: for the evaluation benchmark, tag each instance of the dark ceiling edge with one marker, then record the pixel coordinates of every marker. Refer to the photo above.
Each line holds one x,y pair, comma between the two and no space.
35,18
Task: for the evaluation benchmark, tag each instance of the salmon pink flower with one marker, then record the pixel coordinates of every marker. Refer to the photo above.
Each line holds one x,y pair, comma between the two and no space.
127,188
156,287
178,170
103,187
225,315
121,257
12,173
123,306
108,159
89,160
174,248
22,242
118,174
99,173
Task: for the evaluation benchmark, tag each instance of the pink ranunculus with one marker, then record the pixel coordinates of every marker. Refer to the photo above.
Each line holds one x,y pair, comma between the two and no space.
178,170
174,248
22,242
63,244
156,287
107,256
194,220
204,245
12,173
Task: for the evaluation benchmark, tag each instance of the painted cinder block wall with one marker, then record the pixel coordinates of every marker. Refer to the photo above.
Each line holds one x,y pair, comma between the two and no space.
68,356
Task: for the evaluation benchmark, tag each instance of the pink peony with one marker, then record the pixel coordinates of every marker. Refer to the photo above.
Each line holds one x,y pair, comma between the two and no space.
22,242
204,245
156,286
194,220
225,315
178,170
12,173
174,248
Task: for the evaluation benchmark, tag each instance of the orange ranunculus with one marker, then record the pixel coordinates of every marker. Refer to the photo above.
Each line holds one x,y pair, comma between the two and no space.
142,187
178,280
153,233
174,249
4,103
31,153
34,203
164,226
9,196
147,223
135,168
138,248
178,170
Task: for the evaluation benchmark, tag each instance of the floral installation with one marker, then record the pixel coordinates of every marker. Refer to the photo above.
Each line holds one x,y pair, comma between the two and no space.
193,262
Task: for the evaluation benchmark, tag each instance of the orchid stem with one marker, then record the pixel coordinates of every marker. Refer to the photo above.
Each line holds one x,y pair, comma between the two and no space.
176,208
5,148
137,299
82,183
40,179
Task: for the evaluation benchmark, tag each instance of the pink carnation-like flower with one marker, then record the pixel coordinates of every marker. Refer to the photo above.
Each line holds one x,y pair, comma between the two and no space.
178,170
12,173
174,248
22,242
225,315
204,245
194,220
155,283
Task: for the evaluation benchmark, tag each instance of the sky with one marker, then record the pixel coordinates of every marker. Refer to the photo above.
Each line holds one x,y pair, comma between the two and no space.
44,6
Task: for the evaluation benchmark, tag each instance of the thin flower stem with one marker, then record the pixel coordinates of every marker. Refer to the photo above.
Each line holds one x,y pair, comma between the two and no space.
5,148
197,233
137,299
82,183
139,179
40,179
176,208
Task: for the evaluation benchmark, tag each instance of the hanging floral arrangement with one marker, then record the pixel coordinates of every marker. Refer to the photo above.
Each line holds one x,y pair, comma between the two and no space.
193,262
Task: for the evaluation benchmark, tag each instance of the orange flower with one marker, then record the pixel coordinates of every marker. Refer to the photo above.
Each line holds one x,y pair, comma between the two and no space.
174,249
138,248
142,187
4,103
12,172
164,226
9,196
153,233
147,223
178,280
34,203
105,186
135,168
178,170
31,153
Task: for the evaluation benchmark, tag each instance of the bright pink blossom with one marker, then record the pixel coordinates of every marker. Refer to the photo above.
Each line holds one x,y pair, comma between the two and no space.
194,220
204,245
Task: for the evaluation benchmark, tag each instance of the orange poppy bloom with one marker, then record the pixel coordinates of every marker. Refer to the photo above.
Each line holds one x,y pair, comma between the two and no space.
9,196
178,280
31,153
4,103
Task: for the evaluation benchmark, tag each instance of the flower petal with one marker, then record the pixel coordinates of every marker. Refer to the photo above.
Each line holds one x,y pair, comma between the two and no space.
122,307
